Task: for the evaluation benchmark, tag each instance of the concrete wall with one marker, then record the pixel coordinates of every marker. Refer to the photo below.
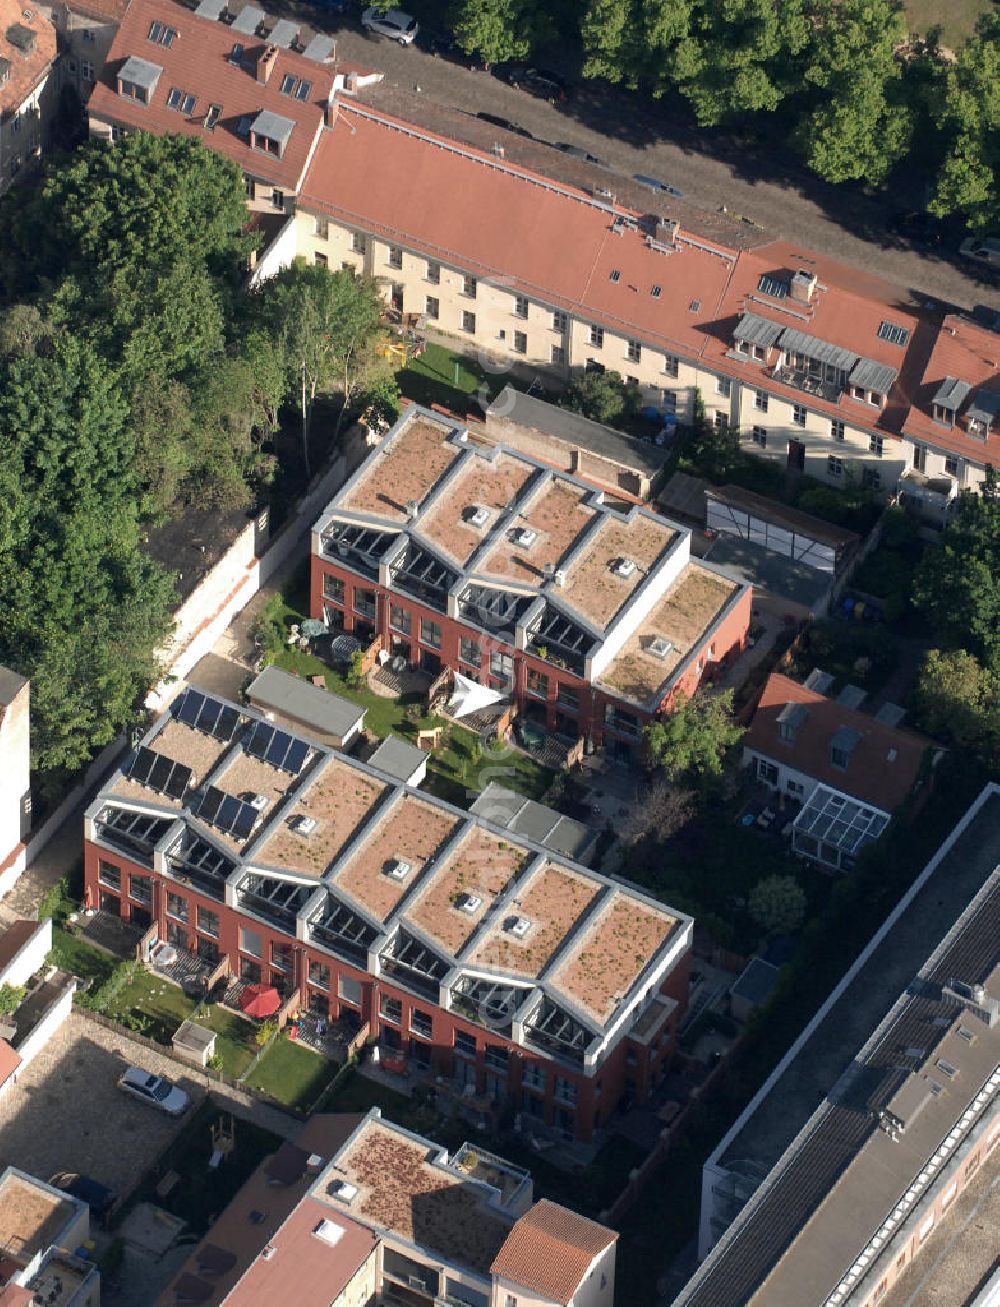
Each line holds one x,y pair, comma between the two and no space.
15,765
30,959
46,1028
279,254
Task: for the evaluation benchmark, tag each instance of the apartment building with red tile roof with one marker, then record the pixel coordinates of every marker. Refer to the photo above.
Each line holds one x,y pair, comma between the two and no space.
476,957
27,86
481,559
553,1252
85,32
246,86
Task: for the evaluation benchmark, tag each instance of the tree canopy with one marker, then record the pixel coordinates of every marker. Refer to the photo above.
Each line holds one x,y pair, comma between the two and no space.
693,739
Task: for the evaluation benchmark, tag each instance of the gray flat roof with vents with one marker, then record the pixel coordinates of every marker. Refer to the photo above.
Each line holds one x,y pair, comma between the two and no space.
521,816
248,20
140,72
951,393
800,342
210,9
527,411
756,982
284,33
939,930
320,48
877,377
274,126
398,758
290,696
757,330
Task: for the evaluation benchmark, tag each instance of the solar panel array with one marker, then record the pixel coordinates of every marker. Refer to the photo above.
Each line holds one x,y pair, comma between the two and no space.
278,748
776,287
893,334
230,815
159,773
206,714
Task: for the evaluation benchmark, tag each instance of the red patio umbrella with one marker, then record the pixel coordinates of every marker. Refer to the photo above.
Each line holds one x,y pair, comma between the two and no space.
260,1001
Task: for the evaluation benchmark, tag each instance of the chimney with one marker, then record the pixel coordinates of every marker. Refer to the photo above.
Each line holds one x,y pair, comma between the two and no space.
803,286
330,113
265,63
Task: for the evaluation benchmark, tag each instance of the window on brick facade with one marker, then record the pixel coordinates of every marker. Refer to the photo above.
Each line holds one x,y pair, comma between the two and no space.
140,889
430,633
565,1089
109,874
520,306
365,602
469,323
759,437
723,387
281,956
568,697
421,1023
432,307
208,951
875,446
333,588
834,466
433,274
208,922
871,478
390,1009
177,907
520,343
469,287
349,989
321,228
320,260
533,1077
671,365
359,242
470,652
559,320
465,1043
400,619
557,355
837,429
319,975
496,1058
250,970
177,935
538,683
597,337
951,466
633,351
395,257
502,664
251,942
799,414
760,400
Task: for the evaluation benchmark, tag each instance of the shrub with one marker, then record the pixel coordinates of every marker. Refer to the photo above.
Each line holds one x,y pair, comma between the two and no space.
355,675
778,904
265,1033
11,997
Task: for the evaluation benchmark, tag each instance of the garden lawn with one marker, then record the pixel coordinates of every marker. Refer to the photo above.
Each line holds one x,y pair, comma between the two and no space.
234,1039
442,376
75,955
956,18
292,1074
161,1005
201,1193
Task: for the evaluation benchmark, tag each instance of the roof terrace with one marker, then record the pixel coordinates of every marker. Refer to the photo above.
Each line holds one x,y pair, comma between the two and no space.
31,1217
603,580
339,799
493,485
556,516
480,868
403,471
552,902
390,861
248,778
179,743
609,959
402,1190
682,617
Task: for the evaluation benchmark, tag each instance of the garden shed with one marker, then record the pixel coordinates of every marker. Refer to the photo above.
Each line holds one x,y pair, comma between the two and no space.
193,1043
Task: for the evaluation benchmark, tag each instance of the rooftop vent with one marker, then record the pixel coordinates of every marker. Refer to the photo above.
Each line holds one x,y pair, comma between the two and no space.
477,515
329,1231
257,801
625,567
616,274
412,508
398,869
303,824
524,536
661,647
268,1252
694,306
4,70
559,577
469,903
343,1190
518,927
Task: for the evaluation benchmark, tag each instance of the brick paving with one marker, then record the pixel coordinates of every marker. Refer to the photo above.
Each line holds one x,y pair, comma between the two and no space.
66,1113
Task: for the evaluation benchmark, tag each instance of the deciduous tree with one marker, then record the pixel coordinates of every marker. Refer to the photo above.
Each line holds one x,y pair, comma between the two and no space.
777,904
694,738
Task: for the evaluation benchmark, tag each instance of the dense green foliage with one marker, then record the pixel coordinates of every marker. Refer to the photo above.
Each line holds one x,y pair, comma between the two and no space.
778,904
692,742
136,379
841,81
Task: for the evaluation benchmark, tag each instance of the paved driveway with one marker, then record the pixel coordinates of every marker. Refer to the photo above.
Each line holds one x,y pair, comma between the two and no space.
66,1112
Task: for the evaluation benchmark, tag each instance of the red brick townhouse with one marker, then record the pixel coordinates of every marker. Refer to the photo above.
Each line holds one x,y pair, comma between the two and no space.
473,954
482,559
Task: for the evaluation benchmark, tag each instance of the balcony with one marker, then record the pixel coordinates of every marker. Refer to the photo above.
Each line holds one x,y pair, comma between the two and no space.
810,384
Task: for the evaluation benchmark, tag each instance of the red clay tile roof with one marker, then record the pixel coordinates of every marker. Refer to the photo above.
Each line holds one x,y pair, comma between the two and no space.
15,1295
968,353
460,206
550,1249
110,10
27,68
848,307
197,62
870,776
10,1060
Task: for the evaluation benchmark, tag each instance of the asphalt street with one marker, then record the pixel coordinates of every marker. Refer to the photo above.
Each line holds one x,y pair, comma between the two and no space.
637,136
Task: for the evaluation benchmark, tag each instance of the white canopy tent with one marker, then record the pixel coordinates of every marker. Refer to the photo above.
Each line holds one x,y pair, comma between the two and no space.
469,696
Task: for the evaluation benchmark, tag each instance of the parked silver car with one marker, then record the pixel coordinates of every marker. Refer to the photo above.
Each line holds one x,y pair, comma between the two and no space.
392,23
157,1091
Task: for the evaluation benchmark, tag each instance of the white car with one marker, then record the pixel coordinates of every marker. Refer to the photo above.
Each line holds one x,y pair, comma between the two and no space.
986,250
392,23
157,1091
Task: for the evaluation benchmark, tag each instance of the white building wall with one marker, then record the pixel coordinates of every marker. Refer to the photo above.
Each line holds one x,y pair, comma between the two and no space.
15,769
31,958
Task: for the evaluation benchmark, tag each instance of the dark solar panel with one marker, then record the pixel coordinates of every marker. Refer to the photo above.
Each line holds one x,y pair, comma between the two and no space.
142,765
296,758
178,781
228,722
189,707
209,716
228,812
210,804
244,821
258,742
277,749
160,773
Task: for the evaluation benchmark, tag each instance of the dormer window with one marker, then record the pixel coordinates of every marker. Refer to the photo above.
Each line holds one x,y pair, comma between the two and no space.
270,133
790,721
213,116
236,54
137,79
162,34
944,415
845,740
